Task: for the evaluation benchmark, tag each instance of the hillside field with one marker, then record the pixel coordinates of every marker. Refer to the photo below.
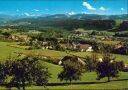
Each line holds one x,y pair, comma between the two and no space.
88,80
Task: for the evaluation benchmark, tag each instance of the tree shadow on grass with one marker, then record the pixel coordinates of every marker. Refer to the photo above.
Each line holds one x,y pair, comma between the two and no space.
82,83
73,83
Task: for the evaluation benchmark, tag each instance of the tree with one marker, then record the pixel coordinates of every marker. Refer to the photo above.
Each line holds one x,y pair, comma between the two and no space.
3,75
72,70
123,25
105,47
91,62
107,68
25,71
6,34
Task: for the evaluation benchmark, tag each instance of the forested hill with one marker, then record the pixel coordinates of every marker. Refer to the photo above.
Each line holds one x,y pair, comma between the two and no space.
69,22
59,17
78,16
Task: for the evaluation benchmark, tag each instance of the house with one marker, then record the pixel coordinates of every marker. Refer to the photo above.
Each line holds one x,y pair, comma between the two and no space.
72,58
118,46
81,47
74,45
100,59
120,49
84,47
45,45
19,38
126,65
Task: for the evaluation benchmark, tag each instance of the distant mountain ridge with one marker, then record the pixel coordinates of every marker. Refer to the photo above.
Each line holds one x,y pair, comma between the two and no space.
16,19
87,16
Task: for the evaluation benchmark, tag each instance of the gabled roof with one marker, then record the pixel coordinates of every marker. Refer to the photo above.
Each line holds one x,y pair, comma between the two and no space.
84,46
73,58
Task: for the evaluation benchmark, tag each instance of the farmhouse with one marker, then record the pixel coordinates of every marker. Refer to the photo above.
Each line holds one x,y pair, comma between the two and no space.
19,38
120,49
45,45
118,46
126,65
74,45
71,58
84,47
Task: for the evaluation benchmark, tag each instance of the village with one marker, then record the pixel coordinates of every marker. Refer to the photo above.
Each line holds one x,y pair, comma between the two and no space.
83,52
73,42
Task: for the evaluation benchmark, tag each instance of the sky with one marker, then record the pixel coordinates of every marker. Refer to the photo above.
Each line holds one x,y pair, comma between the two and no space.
71,7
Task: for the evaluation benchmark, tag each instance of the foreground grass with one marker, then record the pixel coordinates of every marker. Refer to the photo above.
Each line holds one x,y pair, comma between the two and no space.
88,80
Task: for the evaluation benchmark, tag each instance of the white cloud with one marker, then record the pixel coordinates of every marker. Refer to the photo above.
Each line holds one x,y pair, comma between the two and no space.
102,8
88,6
17,10
26,14
30,15
35,15
36,10
71,13
122,9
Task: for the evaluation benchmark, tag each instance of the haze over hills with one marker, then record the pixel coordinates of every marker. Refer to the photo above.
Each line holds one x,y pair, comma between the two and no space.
78,16
61,9
6,19
75,16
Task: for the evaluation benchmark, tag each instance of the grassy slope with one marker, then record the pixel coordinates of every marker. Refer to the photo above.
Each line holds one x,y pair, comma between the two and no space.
85,80
88,81
55,69
6,50
60,55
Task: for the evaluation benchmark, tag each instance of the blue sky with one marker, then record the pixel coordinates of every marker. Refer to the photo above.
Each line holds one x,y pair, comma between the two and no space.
39,7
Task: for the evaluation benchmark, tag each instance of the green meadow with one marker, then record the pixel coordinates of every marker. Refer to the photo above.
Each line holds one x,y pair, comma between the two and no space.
88,80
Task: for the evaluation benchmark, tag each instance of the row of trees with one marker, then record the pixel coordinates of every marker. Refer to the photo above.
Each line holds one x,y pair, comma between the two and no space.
75,24
28,70
63,24
108,67
125,34
123,25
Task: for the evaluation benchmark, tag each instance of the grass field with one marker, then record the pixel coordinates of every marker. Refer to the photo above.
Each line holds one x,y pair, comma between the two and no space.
109,42
88,80
6,51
